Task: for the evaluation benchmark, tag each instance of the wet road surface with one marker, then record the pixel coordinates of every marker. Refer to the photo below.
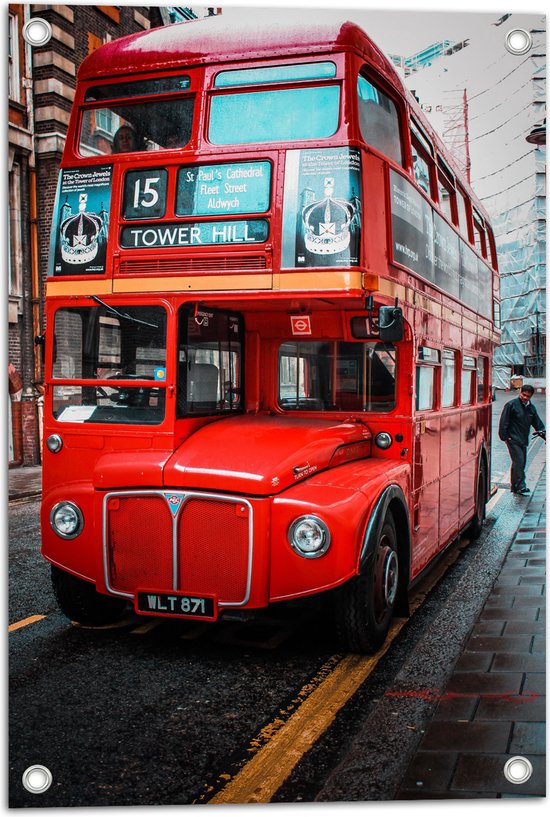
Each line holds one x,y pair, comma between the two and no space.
158,713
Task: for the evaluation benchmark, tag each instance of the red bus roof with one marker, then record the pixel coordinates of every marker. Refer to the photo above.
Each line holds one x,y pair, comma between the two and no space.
219,39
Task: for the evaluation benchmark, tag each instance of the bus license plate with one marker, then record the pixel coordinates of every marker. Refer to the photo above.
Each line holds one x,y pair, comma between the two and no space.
175,605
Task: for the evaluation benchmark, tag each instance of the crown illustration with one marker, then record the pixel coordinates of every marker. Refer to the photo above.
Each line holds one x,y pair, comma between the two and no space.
326,223
80,234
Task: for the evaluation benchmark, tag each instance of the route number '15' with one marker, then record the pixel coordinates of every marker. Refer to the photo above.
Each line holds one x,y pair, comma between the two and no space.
145,193
149,195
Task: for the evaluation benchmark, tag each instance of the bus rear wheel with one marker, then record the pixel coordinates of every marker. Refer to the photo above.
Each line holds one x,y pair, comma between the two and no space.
365,604
476,525
80,602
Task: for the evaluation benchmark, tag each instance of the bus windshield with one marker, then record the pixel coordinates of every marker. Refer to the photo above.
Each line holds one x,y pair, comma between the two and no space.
337,376
107,345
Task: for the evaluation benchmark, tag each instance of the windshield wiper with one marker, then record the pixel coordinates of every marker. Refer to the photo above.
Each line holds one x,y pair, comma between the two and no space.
119,314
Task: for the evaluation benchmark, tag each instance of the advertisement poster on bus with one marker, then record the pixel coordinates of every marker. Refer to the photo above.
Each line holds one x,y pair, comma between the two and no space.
322,208
424,243
81,223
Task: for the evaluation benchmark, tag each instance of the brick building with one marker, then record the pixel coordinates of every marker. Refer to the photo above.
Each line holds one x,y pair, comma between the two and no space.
42,83
41,90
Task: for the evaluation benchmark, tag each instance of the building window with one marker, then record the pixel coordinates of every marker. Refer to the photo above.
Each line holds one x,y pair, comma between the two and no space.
15,256
113,12
14,83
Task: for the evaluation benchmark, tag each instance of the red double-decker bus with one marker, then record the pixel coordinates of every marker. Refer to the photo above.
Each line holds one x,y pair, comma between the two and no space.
270,324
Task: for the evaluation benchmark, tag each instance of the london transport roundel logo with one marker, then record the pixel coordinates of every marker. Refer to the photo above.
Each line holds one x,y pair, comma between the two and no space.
300,324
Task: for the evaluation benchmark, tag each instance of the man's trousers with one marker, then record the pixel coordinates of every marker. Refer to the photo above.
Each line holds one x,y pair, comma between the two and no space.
518,455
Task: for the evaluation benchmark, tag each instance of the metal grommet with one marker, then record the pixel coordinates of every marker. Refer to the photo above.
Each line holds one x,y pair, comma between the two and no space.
518,769
518,41
37,31
37,779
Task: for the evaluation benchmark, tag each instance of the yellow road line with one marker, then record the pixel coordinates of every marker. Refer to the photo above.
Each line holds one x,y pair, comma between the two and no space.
143,629
24,623
264,774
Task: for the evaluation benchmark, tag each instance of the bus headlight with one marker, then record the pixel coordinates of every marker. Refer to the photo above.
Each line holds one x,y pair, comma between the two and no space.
383,440
309,536
66,519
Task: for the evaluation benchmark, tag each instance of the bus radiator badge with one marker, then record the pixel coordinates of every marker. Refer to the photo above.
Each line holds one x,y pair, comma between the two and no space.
174,501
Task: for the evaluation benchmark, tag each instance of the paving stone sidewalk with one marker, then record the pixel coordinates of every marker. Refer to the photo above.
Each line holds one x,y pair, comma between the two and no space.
24,483
494,705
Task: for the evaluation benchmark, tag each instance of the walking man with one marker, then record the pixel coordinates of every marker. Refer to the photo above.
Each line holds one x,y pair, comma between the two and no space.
518,416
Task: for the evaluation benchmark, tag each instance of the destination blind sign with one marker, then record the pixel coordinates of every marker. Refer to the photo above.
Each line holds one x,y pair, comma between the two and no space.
208,190
188,234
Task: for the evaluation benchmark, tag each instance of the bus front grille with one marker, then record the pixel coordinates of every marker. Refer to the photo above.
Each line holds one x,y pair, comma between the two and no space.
196,543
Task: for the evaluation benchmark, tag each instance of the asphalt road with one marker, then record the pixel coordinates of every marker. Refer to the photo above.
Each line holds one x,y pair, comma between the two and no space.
166,713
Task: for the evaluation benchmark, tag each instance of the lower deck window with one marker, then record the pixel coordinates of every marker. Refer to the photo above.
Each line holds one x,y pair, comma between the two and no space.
467,380
425,387
209,362
448,373
337,376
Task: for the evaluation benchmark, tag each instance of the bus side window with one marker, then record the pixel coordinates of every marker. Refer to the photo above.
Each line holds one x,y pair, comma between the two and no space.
379,120
446,191
467,379
423,163
448,378
463,217
479,237
427,365
492,247
481,379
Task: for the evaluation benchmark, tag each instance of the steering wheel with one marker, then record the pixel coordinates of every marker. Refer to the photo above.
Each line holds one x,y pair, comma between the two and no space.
125,395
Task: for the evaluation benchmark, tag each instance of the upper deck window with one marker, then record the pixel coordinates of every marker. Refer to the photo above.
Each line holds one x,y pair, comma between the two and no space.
379,120
275,74
142,87
422,156
479,234
274,116
462,209
125,127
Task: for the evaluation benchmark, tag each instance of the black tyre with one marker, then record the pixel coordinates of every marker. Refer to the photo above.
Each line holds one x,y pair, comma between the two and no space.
365,604
476,525
80,601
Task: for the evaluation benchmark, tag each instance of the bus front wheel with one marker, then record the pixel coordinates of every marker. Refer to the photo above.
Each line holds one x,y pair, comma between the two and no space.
80,601
365,604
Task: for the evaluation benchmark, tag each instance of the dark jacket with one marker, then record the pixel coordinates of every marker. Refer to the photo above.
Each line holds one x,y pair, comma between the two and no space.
516,420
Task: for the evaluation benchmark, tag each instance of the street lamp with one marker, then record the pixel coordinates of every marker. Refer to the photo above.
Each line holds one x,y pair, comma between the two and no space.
538,135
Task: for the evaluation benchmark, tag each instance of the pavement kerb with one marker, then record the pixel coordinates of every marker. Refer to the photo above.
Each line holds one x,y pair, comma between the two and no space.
359,776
